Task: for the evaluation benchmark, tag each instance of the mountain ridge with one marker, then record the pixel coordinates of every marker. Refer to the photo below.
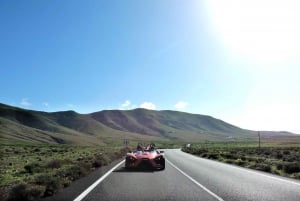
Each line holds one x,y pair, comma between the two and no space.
106,126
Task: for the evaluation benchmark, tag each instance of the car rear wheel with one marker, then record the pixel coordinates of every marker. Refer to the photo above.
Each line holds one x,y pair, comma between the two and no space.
163,165
127,165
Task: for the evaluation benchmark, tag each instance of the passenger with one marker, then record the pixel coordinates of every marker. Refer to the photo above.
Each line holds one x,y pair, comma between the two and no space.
152,147
139,147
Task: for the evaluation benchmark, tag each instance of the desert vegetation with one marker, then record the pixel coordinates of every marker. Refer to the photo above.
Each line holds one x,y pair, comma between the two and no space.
272,158
30,172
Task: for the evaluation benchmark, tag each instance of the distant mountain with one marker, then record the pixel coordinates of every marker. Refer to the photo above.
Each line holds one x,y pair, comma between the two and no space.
169,124
107,126
67,127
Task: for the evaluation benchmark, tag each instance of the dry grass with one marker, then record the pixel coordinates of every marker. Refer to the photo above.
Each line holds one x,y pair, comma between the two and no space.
280,160
29,172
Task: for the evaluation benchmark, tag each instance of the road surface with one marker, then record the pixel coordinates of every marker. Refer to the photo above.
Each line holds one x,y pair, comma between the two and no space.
188,177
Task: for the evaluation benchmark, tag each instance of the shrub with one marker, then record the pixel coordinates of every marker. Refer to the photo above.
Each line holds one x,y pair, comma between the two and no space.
263,167
54,150
213,156
204,155
267,152
279,166
54,164
97,163
33,168
296,175
124,150
66,182
51,183
229,156
74,172
100,160
26,192
291,168
279,155
200,151
239,162
229,161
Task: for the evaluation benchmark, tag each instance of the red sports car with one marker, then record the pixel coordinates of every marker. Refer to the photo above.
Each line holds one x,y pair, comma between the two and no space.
145,159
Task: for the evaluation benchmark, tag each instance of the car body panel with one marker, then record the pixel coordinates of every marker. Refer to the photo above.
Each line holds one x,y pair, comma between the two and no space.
145,160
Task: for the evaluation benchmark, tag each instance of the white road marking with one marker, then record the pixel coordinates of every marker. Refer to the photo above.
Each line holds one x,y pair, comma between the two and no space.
197,183
252,171
263,174
89,189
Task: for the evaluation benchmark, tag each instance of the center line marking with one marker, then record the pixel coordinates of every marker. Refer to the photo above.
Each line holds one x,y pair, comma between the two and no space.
197,183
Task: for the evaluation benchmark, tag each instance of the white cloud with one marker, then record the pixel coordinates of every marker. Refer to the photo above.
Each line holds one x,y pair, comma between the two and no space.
126,105
148,105
180,105
24,102
46,104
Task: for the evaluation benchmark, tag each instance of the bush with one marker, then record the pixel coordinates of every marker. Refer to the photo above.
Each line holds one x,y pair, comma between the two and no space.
124,150
97,163
279,155
200,151
286,152
229,161
54,164
230,156
296,175
51,183
33,168
263,167
213,156
239,162
204,155
291,168
279,166
26,192
243,158
267,152
74,172
100,160
66,182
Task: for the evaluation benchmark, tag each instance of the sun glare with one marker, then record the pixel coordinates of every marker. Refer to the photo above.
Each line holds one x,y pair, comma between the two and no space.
265,31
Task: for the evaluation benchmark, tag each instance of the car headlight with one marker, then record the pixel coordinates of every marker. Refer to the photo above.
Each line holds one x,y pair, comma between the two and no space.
159,158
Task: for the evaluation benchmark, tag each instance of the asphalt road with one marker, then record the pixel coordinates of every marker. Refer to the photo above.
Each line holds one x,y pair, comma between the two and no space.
188,177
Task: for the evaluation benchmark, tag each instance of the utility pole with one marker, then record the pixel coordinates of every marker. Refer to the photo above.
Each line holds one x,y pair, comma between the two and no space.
258,140
126,142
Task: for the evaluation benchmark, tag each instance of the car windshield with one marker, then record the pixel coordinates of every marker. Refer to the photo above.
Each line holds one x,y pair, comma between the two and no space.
138,152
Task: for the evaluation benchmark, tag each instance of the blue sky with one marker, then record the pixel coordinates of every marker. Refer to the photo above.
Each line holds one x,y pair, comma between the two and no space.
237,61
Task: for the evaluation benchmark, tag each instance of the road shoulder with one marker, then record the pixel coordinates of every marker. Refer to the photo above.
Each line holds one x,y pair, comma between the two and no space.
77,187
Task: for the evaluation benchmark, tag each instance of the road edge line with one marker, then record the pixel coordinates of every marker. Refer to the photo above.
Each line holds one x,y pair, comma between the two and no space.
91,187
265,174
252,171
197,183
